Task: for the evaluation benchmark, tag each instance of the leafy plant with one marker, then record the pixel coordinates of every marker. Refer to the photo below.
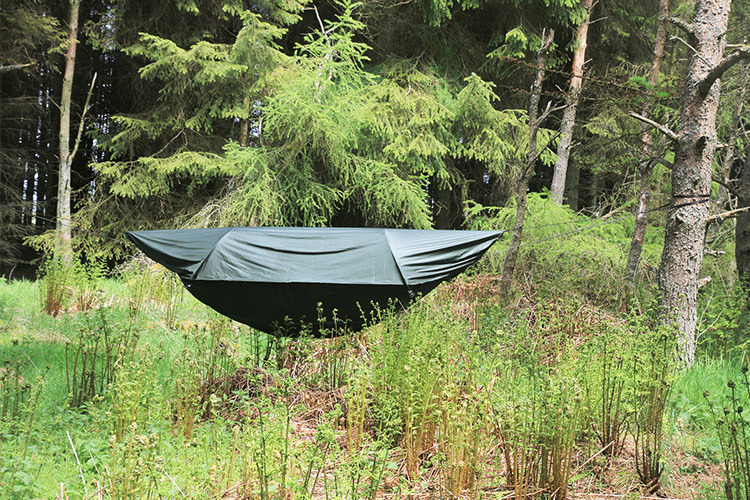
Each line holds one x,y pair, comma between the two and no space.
538,401
202,370
609,388
733,427
70,284
93,352
538,420
18,475
654,358
14,390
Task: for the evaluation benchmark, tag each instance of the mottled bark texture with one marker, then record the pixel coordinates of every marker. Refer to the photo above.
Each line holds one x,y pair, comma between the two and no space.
66,158
646,166
691,174
569,115
509,265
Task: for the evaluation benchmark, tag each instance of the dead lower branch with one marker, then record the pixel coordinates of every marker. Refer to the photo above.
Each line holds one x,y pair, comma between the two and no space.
662,128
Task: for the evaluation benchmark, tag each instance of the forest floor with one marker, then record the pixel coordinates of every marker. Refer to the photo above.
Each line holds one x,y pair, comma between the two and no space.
135,391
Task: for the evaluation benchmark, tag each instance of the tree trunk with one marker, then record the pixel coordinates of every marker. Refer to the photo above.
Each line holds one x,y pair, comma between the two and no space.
442,213
691,174
742,229
646,167
509,265
571,185
66,159
245,124
569,115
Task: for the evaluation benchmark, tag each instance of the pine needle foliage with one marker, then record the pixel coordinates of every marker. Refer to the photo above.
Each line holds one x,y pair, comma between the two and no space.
326,139
317,138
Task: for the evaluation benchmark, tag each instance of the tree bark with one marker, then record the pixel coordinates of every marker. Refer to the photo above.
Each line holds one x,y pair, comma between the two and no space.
569,115
66,158
646,166
509,265
691,175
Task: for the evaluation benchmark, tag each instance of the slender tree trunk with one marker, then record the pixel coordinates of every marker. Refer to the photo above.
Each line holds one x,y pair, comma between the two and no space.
646,167
509,265
245,124
691,173
742,229
569,115
572,182
442,213
63,186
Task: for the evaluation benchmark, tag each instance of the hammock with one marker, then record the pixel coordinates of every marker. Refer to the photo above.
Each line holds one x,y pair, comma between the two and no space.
285,280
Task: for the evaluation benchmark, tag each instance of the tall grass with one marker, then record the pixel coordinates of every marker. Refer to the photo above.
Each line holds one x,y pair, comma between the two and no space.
459,395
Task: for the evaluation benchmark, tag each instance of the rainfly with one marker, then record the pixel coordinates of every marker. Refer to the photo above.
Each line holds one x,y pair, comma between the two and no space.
277,279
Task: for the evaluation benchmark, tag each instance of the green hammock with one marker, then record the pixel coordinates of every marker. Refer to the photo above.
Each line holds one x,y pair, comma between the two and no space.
280,279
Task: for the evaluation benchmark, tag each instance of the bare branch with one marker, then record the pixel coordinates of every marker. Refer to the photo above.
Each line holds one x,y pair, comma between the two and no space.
695,51
725,185
663,161
680,23
662,128
724,215
544,114
12,67
705,84
83,116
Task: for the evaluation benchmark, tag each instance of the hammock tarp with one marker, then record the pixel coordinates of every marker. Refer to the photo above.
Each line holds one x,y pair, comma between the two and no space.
277,279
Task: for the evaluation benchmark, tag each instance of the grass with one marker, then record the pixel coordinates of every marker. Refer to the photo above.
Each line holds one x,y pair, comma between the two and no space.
460,396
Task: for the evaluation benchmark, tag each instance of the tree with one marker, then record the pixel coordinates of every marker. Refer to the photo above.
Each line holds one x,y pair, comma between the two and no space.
30,36
691,172
522,186
569,114
646,165
165,153
64,222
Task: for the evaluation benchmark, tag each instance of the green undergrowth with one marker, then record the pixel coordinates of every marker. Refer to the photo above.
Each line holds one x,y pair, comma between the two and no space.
132,389
567,252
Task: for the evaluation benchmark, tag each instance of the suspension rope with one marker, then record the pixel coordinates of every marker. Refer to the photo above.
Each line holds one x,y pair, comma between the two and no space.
589,78
702,199
698,199
56,220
